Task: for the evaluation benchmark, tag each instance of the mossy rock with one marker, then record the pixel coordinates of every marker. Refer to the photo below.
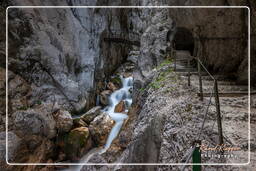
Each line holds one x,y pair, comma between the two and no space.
77,142
78,136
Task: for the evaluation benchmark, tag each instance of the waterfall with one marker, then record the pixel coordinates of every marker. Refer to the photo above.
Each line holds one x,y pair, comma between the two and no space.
122,94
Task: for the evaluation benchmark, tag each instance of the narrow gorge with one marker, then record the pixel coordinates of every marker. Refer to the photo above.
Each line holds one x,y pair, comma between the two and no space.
122,86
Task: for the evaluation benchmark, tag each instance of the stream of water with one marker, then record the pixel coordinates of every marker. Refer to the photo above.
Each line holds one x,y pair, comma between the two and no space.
117,96
122,94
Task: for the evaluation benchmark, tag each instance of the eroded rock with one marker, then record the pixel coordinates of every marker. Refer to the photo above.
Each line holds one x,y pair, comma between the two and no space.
64,121
38,121
91,114
120,107
78,142
100,128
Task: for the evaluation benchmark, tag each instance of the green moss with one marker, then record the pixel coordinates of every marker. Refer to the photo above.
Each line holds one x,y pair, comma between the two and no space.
142,89
162,77
23,108
116,80
164,63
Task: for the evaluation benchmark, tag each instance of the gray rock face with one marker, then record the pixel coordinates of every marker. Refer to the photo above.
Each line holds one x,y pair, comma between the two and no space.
37,121
153,46
58,50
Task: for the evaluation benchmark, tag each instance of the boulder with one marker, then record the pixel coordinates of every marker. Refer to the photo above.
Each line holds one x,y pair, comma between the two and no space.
78,122
104,97
111,86
100,128
91,114
78,142
64,121
36,121
120,107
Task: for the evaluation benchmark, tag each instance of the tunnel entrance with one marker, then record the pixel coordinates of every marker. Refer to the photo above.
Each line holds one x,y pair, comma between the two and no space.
183,40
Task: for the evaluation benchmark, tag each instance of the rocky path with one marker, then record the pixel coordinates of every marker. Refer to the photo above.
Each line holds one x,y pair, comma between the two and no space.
234,105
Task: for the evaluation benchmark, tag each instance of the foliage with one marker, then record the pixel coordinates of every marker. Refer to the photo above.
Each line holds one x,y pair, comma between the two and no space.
162,76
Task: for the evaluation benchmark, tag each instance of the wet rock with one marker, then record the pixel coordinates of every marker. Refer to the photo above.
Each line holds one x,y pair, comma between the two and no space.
117,81
104,97
127,74
13,146
100,128
63,120
120,107
36,121
91,114
78,142
111,86
96,159
78,122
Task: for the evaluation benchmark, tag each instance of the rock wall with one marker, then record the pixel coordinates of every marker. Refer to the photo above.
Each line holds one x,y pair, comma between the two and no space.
56,58
58,51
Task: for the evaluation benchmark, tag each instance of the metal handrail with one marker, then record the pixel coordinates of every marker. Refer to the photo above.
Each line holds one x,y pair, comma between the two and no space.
214,91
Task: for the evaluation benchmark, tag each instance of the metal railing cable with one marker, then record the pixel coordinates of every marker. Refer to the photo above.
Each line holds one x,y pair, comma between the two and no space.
205,68
213,92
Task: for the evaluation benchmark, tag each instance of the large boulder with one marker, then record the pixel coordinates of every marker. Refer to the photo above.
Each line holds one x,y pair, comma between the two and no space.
36,121
100,128
111,86
91,114
78,142
64,121
120,107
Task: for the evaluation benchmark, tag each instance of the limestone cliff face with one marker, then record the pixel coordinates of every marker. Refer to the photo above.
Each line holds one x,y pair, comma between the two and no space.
58,51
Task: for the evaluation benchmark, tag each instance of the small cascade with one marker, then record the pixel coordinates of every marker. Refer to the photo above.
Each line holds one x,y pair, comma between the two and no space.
122,94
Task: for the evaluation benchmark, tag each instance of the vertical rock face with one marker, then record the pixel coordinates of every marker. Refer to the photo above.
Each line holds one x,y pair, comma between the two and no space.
57,56
58,49
219,36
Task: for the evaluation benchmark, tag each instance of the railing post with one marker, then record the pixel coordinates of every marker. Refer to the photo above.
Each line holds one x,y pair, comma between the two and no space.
174,55
217,104
196,157
200,80
188,66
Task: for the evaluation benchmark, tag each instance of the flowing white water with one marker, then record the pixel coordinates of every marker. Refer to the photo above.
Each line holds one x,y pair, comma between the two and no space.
122,94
